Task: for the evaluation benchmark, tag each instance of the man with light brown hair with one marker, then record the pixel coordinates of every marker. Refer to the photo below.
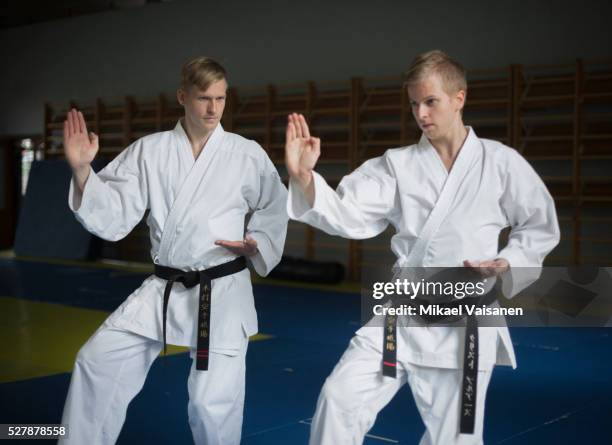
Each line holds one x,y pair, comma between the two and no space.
447,197
198,183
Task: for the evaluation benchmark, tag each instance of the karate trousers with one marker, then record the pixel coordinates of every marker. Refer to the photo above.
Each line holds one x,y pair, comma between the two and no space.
111,368
356,391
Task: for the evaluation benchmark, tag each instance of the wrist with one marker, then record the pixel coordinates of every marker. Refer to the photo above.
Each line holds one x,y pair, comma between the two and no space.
81,174
503,262
80,170
304,178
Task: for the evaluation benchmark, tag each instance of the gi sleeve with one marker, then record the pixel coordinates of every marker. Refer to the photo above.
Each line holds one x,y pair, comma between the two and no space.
268,222
115,199
530,212
358,209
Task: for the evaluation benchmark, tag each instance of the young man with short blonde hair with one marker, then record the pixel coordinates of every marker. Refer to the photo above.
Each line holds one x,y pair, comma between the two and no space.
447,197
198,183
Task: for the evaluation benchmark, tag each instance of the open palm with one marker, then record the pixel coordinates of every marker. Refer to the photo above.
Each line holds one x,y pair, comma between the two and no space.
80,147
301,150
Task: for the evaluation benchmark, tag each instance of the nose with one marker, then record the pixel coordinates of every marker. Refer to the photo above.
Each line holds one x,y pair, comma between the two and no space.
421,111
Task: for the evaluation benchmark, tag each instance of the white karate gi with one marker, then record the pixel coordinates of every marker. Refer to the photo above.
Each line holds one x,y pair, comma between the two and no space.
192,204
441,219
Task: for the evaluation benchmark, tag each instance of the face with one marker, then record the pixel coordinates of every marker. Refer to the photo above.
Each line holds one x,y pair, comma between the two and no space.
203,109
436,112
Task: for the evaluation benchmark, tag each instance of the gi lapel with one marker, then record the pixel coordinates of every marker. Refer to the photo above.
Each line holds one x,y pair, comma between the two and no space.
185,194
455,178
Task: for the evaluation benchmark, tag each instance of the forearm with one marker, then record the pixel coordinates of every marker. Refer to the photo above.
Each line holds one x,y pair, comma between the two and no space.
339,212
81,175
268,223
305,184
110,203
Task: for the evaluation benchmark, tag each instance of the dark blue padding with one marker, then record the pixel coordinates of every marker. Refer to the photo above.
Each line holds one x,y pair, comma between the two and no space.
47,227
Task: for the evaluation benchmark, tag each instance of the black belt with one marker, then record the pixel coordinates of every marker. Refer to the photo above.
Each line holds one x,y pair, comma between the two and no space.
470,354
204,279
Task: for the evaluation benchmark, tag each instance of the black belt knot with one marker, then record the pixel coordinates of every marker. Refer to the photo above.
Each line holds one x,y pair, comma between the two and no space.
190,279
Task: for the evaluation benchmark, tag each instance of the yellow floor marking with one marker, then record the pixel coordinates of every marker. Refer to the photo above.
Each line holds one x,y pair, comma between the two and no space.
41,339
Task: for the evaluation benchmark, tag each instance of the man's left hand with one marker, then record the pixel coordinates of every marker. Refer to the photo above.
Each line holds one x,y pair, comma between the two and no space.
488,268
247,247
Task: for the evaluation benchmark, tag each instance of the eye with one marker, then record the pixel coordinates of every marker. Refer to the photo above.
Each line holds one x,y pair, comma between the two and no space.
430,102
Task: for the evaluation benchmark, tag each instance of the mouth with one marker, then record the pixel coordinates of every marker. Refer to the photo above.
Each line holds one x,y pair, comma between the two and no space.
426,126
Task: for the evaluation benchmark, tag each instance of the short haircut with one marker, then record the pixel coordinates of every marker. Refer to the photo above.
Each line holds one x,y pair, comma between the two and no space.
201,72
437,62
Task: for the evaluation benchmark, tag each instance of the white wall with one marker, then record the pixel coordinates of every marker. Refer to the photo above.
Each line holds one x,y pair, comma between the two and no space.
140,51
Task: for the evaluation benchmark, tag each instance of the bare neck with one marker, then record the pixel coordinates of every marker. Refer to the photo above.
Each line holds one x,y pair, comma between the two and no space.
197,138
448,145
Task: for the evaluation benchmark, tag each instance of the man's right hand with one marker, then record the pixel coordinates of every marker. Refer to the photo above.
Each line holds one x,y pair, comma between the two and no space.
301,153
80,147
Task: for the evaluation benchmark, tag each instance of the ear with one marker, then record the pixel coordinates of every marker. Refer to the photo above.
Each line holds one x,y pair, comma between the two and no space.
180,96
460,98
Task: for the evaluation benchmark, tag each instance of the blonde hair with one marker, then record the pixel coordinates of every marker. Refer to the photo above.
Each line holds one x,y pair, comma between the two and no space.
201,72
437,62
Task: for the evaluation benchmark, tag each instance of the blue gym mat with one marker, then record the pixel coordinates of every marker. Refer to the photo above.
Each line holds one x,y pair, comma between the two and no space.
561,392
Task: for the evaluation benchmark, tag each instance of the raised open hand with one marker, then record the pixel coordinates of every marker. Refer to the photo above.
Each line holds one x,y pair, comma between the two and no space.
80,147
301,150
